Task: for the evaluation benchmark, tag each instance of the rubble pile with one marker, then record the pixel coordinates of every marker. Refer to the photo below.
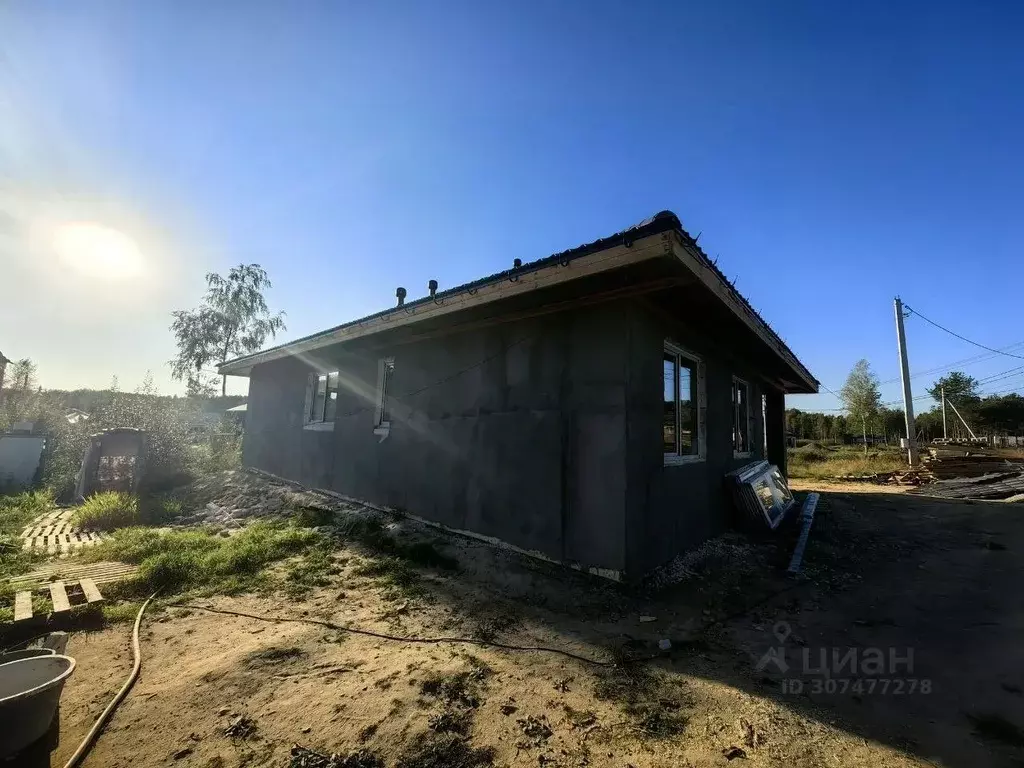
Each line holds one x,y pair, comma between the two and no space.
231,498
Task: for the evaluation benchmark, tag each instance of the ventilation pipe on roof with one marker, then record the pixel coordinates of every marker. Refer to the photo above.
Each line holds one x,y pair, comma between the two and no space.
517,263
400,293
432,287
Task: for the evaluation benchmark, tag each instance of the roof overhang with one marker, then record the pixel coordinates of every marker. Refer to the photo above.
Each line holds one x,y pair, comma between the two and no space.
696,261
615,257
668,240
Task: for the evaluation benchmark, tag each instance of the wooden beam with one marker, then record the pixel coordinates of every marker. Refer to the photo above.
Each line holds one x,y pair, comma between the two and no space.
59,596
92,594
22,606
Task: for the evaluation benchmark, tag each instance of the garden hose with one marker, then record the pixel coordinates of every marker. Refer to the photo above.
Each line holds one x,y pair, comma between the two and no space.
94,732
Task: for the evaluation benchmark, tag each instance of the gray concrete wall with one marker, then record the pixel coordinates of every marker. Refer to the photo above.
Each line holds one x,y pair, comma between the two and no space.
674,508
515,431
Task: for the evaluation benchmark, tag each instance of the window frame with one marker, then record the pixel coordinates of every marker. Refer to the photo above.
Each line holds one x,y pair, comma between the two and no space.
736,380
385,373
696,363
319,422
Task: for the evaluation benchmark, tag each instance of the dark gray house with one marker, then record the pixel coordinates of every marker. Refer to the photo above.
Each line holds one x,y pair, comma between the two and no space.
584,407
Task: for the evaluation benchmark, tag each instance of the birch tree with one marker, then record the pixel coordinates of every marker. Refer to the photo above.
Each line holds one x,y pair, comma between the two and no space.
233,319
861,396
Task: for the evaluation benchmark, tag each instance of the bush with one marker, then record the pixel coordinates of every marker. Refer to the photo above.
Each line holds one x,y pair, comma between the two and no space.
108,510
167,422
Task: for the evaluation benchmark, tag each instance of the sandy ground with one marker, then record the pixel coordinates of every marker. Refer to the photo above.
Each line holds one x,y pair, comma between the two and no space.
883,571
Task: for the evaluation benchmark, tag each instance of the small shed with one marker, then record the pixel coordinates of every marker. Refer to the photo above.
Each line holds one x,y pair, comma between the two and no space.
114,461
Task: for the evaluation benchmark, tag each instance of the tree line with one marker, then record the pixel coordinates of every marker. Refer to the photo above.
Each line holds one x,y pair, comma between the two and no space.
867,419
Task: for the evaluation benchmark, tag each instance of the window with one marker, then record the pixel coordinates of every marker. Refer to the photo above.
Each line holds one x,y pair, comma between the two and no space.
741,418
321,400
682,406
385,372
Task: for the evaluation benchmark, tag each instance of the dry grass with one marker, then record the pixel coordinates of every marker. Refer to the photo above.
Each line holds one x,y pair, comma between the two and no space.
819,462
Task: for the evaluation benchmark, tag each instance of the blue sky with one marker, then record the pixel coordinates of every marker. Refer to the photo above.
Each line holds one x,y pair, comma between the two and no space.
831,154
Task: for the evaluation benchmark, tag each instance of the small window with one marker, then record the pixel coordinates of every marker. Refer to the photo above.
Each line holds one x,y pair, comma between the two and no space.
682,406
385,372
741,418
331,407
322,398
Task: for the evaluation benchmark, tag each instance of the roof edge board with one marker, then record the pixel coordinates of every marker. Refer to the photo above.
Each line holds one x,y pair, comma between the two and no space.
616,256
698,262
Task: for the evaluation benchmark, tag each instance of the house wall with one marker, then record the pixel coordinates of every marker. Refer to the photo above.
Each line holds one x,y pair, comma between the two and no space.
542,433
515,431
674,508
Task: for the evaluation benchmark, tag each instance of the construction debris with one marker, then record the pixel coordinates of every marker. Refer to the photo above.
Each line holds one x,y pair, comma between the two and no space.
905,477
946,462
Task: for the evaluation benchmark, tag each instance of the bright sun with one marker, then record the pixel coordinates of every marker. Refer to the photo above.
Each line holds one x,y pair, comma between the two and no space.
97,251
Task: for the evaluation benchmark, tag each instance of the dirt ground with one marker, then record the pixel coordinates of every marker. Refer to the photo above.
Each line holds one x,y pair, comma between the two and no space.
883,571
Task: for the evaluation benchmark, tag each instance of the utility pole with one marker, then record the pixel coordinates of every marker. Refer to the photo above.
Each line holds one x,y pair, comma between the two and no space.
943,390
908,401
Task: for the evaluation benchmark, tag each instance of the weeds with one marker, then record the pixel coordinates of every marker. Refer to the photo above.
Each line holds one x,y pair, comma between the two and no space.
314,569
443,750
396,578
301,757
818,462
16,512
178,560
108,510
643,697
462,688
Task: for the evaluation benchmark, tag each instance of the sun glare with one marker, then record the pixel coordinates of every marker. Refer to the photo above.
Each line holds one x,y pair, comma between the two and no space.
97,251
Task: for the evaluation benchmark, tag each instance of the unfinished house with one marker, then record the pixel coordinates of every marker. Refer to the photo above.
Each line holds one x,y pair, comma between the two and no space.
584,407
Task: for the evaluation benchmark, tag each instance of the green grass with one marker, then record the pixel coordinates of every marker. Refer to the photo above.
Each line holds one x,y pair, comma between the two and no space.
108,510
395,578
314,569
112,509
820,462
199,559
16,512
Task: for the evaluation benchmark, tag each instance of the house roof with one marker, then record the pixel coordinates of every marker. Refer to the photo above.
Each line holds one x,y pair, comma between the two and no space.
664,221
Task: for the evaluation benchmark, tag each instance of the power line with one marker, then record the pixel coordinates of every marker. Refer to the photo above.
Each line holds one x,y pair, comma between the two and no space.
962,338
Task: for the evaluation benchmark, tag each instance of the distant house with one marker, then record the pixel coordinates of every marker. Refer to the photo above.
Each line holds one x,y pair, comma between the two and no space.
527,406
76,416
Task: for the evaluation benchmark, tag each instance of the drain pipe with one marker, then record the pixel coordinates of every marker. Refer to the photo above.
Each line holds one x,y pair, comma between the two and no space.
806,519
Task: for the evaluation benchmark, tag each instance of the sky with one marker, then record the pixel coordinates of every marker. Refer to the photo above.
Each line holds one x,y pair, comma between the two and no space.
831,155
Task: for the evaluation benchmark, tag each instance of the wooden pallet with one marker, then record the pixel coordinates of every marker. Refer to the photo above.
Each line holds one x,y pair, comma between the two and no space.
57,578
54,534
58,596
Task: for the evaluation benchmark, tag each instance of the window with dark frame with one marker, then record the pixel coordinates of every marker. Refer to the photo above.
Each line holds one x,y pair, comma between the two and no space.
386,370
323,405
740,417
680,426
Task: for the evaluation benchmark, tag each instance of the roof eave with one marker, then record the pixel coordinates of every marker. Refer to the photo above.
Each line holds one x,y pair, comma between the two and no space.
505,285
693,257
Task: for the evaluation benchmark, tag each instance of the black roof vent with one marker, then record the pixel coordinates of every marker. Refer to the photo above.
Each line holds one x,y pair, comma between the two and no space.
400,293
432,287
